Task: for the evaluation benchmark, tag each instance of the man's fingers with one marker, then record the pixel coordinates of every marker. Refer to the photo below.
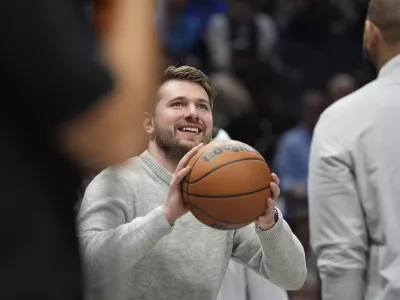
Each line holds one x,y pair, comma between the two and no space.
179,177
275,178
275,190
183,162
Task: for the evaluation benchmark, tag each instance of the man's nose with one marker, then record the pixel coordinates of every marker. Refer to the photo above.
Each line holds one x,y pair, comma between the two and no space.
191,112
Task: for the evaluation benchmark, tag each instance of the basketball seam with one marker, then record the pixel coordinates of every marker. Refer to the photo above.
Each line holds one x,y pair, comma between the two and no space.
191,169
221,220
188,180
221,166
227,196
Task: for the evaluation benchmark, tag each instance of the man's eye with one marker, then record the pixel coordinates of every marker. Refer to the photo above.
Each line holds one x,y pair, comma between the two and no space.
177,104
203,106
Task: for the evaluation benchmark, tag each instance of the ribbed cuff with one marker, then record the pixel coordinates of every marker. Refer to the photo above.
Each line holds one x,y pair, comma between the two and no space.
157,225
276,237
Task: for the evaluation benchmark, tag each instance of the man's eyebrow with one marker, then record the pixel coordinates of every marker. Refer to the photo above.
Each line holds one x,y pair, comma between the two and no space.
204,101
177,98
185,98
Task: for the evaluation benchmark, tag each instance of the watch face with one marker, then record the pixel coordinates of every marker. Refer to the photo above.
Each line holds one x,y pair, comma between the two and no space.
276,215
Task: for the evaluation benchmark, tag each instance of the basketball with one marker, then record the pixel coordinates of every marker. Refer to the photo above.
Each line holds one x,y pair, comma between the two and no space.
228,185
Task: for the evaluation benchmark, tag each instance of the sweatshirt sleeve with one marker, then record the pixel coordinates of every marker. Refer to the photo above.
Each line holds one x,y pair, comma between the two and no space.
112,238
276,254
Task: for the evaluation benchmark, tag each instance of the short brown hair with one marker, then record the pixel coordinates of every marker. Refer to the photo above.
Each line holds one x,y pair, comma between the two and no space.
187,73
385,14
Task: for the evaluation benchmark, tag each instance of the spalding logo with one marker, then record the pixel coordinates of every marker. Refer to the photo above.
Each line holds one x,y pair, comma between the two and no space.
233,148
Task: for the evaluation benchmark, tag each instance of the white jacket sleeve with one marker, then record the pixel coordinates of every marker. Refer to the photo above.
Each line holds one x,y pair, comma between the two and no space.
337,225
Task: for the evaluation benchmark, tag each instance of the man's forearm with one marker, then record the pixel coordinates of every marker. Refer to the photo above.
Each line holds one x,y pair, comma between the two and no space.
283,256
348,286
109,252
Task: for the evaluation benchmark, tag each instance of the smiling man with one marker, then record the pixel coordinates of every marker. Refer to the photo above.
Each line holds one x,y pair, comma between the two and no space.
138,239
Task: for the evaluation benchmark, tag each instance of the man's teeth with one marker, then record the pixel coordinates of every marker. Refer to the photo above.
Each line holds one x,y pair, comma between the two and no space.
190,129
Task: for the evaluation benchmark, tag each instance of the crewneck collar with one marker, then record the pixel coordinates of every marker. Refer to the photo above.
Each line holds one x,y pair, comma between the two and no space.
157,169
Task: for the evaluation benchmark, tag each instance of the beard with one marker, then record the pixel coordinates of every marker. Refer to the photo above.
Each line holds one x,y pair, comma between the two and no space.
369,64
174,149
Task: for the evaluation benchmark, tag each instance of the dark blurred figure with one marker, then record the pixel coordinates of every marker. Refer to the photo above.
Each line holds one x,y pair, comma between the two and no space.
244,43
233,99
179,34
240,39
320,38
340,85
291,163
63,111
291,160
183,25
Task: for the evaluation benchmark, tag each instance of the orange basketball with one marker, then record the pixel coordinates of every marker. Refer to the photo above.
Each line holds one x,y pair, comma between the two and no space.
228,185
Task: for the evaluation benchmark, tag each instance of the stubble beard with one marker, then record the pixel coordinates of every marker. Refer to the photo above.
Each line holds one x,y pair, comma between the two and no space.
171,148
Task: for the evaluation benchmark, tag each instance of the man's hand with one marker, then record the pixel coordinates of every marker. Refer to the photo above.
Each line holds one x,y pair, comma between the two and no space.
174,207
267,220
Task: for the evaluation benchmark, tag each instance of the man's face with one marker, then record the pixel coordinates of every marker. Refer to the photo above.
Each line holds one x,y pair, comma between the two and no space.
183,118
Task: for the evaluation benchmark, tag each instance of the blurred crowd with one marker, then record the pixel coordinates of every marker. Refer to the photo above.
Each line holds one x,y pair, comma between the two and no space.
276,65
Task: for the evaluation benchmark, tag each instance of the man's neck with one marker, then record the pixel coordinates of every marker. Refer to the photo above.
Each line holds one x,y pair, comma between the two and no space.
388,55
161,158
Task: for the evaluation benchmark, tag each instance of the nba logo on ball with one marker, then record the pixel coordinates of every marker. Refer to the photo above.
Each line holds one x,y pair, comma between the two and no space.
228,185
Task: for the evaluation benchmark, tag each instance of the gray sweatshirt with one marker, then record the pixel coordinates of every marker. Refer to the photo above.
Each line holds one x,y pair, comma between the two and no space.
131,251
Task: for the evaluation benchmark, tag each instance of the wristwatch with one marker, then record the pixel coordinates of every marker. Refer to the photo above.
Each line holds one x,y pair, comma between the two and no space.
276,215
276,220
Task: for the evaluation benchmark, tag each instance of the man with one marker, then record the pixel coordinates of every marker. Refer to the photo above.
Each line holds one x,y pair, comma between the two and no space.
63,110
291,163
354,175
292,154
137,236
241,31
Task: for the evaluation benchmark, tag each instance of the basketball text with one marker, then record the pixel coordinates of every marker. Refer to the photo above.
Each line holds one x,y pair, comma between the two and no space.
233,148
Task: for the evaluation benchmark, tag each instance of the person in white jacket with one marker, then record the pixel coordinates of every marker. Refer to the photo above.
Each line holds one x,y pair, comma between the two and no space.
354,175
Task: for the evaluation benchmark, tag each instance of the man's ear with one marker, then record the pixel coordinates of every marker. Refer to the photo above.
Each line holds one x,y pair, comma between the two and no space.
148,123
371,35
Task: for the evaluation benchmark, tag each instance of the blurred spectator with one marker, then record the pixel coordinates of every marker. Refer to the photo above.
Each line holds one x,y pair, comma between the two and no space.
317,38
182,24
340,85
242,31
310,21
204,9
233,99
291,160
291,165
179,32
242,283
